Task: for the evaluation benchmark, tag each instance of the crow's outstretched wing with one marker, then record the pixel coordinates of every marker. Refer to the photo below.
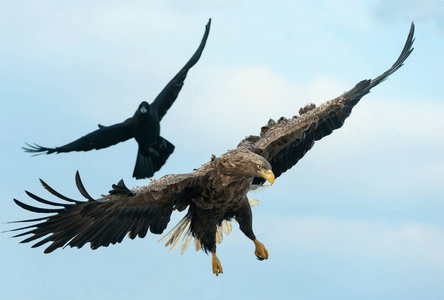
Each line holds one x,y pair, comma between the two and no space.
284,143
109,219
103,137
170,92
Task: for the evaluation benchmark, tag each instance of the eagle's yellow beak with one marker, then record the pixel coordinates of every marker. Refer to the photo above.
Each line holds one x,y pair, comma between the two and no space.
268,175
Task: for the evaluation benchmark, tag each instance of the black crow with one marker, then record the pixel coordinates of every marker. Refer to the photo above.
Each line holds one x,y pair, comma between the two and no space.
144,126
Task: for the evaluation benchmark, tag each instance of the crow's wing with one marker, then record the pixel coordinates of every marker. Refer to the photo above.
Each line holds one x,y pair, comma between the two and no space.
170,92
103,137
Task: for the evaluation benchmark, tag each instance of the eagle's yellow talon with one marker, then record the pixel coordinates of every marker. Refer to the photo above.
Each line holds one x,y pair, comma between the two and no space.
217,267
261,252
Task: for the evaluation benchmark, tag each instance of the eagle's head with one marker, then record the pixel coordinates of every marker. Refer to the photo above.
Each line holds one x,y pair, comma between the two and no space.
241,162
265,172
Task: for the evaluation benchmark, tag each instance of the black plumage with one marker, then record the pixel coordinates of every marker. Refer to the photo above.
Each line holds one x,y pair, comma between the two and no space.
214,194
144,126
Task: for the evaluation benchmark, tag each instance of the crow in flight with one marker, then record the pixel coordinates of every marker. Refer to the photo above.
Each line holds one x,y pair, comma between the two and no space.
144,126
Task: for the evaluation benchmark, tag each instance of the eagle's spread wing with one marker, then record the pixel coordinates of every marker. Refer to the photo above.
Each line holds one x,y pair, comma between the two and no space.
285,142
109,219
103,137
169,93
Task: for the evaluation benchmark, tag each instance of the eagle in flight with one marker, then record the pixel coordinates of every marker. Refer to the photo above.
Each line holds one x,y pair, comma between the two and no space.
213,194
144,126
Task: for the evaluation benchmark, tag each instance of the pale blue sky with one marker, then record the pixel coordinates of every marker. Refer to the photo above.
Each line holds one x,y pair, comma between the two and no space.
360,217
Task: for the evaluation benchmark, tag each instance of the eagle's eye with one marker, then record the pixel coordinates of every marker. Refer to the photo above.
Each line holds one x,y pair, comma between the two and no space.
259,167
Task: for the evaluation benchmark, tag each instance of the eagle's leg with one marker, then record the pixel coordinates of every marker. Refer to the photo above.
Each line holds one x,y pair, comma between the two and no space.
215,262
204,227
260,251
244,217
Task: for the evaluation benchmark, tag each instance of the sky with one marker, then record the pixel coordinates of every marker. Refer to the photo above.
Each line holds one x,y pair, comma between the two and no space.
359,217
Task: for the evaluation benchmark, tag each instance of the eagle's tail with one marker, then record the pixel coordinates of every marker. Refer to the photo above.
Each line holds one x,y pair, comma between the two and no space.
181,233
149,162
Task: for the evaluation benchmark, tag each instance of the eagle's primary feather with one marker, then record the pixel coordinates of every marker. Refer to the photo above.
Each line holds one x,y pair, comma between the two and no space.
213,194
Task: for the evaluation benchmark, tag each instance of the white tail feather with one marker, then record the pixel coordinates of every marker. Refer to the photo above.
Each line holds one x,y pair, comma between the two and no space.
219,235
197,244
170,232
176,233
186,241
180,237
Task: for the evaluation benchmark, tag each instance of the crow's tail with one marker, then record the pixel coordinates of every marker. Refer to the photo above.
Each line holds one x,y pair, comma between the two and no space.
149,162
